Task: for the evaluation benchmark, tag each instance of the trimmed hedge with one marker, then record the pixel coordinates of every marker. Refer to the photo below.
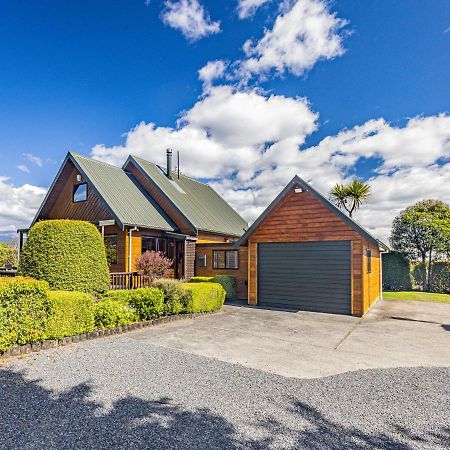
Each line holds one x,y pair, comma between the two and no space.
440,281
24,309
112,313
72,313
69,254
148,303
396,272
204,296
226,281
176,299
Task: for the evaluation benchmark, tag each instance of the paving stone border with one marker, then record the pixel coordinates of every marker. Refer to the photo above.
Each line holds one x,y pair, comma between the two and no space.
52,343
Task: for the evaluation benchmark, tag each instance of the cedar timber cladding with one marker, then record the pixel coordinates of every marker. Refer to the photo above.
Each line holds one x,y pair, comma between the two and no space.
189,264
240,274
59,204
301,217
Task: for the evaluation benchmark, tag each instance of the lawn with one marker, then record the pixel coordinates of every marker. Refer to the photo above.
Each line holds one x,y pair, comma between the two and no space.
418,296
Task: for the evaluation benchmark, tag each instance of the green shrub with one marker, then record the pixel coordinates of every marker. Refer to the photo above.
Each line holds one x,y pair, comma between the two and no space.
148,303
8,254
204,296
440,281
71,313
24,309
176,299
418,275
396,273
69,254
226,281
111,313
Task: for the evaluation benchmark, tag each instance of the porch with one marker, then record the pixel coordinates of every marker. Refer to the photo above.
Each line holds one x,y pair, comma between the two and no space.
123,247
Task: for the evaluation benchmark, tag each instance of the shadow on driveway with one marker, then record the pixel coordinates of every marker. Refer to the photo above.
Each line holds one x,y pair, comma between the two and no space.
34,417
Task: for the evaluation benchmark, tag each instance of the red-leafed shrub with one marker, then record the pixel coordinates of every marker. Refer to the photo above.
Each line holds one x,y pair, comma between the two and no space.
154,265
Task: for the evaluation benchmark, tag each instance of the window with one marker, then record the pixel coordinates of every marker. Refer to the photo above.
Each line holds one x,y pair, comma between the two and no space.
201,260
154,244
225,259
111,248
369,260
80,193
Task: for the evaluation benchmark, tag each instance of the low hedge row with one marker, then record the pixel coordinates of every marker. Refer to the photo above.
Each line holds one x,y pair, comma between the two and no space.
30,312
24,308
226,281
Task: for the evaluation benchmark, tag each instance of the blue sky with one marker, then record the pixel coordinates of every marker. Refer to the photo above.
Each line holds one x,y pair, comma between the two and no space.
78,74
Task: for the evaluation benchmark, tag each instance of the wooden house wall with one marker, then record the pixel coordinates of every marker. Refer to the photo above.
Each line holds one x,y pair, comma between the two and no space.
240,274
205,237
372,280
60,203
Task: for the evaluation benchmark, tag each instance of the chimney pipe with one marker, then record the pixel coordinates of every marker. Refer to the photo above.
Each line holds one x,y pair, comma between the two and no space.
169,163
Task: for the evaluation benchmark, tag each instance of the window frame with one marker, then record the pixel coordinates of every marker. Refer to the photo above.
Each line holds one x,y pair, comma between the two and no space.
74,190
117,247
157,241
202,260
369,260
214,265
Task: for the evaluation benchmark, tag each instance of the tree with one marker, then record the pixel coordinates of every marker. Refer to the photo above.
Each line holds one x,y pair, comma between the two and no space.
154,265
350,196
422,232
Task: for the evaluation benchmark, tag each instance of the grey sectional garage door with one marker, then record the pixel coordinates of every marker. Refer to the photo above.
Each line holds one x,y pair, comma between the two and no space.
311,276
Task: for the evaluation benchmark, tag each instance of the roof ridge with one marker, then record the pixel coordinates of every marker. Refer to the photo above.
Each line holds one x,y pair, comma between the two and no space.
173,171
78,155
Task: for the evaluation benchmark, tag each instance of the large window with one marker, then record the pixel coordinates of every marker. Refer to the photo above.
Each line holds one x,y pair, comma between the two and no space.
111,248
226,259
80,193
154,244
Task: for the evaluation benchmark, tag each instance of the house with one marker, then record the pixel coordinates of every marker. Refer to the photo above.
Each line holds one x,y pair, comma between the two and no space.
301,253
141,207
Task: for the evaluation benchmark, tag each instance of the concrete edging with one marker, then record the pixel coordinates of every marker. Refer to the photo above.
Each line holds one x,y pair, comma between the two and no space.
53,343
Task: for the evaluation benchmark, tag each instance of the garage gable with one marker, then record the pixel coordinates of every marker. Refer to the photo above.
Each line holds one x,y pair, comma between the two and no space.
299,210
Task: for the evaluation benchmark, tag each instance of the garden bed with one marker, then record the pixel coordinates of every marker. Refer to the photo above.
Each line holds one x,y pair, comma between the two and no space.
52,343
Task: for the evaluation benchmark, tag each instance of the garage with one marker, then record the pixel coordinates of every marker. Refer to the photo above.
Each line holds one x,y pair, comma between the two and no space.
306,254
308,276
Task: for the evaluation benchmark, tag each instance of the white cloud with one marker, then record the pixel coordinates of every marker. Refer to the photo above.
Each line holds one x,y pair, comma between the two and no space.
251,144
226,131
23,168
18,205
34,159
305,32
190,18
212,71
247,8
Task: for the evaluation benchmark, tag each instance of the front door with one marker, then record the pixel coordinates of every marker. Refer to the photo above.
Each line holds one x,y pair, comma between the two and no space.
179,259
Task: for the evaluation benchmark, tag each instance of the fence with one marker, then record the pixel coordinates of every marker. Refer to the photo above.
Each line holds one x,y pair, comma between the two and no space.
128,280
4,272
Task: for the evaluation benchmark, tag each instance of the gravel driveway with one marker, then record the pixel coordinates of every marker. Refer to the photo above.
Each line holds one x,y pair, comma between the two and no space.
122,392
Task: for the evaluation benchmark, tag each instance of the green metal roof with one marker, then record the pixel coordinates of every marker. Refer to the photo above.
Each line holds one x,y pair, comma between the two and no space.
199,203
122,194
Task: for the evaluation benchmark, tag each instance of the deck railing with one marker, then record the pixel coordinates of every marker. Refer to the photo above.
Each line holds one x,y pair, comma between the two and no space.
128,280
4,272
